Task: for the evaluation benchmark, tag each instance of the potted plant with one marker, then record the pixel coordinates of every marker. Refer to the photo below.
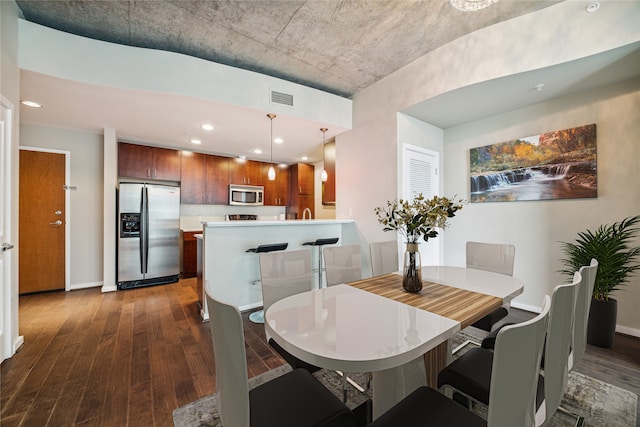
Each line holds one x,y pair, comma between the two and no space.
612,245
416,219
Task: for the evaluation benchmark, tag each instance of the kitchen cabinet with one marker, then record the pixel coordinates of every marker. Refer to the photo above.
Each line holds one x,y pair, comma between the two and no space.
329,186
193,178
301,193
189,254
276,193
144,162
205,179
246,172
217,180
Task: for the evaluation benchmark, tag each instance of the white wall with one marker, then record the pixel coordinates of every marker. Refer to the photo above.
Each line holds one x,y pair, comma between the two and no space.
86,202
367,155
537,227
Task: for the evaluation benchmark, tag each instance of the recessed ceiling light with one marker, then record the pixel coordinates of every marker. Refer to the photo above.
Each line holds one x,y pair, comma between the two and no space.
278,140
471,5
257,151
592,7
207,126
196,141
32,104
305,158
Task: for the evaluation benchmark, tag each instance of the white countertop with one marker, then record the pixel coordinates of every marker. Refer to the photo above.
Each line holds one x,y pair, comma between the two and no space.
288,222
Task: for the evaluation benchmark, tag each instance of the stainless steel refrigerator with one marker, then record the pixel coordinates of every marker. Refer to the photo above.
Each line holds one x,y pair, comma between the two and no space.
148,234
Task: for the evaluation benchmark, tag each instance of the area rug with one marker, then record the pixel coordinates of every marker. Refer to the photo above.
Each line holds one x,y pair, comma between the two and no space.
600,403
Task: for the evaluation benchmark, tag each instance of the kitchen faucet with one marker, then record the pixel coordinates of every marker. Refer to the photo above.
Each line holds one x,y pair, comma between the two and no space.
304,213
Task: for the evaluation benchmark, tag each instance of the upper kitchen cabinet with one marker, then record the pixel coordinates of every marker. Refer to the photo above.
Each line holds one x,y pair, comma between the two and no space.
193,178
276,192
205,179
302,178
217,180
301,194
143,162
246,172
329,186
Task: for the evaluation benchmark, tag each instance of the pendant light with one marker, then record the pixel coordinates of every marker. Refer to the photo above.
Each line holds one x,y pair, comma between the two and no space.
271,175
324,176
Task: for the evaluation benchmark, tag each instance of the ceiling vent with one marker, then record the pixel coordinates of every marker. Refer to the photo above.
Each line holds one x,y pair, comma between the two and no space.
281,98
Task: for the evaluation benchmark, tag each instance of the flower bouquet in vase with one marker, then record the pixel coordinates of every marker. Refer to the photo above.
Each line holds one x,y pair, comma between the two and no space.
415,220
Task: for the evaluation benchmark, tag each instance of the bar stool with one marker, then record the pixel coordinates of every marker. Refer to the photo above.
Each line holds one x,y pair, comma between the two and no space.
319,243
258,316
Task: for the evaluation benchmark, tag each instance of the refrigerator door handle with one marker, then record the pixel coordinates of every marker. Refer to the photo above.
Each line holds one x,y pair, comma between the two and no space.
143,230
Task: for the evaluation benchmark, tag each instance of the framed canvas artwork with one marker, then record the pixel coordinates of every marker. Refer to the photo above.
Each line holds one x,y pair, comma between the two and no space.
553,165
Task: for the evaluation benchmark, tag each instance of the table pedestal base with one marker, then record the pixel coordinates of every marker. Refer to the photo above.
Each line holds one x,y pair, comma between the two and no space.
392,385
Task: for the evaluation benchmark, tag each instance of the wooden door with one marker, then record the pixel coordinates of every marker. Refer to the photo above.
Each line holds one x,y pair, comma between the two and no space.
42,221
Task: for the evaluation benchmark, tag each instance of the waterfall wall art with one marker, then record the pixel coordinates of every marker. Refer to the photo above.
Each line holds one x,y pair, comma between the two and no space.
553,165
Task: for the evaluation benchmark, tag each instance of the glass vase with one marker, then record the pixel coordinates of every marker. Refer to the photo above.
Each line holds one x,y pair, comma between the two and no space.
412,270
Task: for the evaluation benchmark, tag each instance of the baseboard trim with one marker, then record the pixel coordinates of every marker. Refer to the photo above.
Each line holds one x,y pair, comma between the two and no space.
526,307
84,286
628,331
19,342
111,288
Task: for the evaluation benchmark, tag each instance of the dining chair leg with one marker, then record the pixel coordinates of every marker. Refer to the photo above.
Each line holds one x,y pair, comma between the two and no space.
579,418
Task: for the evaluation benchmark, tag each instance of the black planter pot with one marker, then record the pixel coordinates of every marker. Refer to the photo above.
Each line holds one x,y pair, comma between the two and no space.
602,322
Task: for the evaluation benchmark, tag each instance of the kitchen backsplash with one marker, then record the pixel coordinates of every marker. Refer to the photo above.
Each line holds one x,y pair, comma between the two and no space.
192,216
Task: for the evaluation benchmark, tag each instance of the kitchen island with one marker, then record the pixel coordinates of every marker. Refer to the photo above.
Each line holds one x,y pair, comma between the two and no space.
230,272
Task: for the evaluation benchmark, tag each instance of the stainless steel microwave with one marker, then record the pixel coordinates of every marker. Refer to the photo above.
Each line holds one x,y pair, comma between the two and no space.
247,195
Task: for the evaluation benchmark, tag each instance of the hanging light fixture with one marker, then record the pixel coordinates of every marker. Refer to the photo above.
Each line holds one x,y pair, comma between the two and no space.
324,175
272,171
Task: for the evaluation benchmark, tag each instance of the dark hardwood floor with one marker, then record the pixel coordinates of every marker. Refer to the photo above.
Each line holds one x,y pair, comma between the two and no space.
130,358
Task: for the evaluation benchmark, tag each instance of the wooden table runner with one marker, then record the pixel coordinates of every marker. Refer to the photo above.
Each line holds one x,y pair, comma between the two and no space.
458,304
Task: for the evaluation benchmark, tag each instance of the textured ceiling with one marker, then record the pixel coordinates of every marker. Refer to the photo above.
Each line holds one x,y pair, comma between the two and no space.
336,46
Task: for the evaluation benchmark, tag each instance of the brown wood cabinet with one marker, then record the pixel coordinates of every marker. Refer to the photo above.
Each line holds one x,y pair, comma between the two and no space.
276,193
143,162
246,172
193,178
189,254
205,179
217,180
329,186
301,194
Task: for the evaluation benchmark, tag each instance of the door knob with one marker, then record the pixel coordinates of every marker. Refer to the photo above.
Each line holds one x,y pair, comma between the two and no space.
6,246
58,222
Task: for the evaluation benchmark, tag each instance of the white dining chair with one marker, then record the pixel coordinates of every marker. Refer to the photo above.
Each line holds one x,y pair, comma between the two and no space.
470,374
343,264
284,274
384,257
513,378
293,399
555,372
496,258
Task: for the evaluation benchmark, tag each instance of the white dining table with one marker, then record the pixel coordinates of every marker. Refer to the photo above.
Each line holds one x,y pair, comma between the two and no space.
373,326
